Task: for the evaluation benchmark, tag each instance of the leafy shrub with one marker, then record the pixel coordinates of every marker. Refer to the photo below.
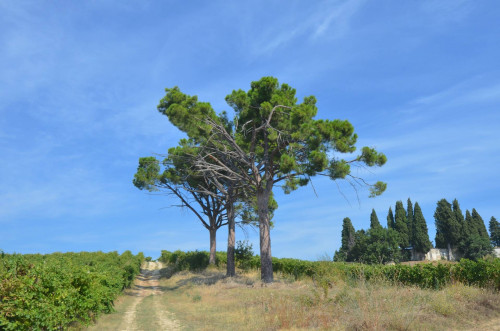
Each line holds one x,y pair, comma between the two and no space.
243,254
52,291
482,273
193,261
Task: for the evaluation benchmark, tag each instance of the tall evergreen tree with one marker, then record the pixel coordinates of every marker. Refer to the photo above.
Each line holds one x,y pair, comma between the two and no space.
468,228
439,240
479,224
390,219
374,223
421,242
400,225
409,221
476,244
348,241
347,234
459,216
494,232
447,225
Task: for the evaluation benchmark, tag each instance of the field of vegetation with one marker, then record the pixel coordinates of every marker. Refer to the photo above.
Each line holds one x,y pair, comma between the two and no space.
48,292
483,273
323,295
208,301
60,291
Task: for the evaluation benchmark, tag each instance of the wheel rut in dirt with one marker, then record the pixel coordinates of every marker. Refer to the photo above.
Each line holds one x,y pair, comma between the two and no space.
147,284
141,307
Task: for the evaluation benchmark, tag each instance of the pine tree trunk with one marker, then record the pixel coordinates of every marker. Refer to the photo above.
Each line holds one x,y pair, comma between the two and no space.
266,264
212,246
230,241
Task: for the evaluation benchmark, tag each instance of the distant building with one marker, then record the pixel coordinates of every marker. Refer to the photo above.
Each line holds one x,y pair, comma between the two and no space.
437,254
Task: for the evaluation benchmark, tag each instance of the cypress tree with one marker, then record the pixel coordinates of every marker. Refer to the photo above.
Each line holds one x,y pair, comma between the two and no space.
469,228
358,251
494,232
390,219
479,224
464,227
409,221
447,225
421,242
374,223
347,234
400,225
348,240
459,216
439,240
476,244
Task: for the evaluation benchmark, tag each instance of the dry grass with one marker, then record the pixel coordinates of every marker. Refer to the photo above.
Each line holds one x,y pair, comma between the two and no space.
208,301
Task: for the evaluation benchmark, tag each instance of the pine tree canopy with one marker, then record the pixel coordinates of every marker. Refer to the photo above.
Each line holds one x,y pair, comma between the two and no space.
273,138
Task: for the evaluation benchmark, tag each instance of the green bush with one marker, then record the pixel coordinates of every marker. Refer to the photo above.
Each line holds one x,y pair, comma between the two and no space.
243,254
482,273
193,261
51,291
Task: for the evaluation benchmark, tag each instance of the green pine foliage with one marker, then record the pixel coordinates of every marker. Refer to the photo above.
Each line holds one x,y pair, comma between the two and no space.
275,138
421,242
374,222
494,232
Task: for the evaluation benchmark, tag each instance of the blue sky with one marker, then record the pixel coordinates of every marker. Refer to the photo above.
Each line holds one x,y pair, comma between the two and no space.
419,80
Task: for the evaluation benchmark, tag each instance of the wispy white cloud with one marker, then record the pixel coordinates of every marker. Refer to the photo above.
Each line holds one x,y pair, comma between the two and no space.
337,20
330,19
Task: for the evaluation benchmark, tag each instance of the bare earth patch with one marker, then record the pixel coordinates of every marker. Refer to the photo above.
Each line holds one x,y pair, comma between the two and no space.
141,308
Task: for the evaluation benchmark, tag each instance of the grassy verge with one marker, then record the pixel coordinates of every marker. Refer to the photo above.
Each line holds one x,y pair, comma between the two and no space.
208,301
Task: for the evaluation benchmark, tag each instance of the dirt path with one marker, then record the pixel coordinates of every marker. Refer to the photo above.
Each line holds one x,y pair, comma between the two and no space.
141,307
